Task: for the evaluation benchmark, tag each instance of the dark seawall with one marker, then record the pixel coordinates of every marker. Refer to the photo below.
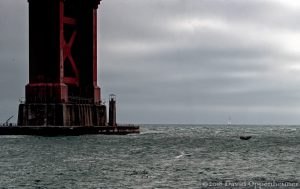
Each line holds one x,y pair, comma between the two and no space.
68,131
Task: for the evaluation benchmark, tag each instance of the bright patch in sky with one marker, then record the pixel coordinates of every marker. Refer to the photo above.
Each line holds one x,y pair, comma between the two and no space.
294,4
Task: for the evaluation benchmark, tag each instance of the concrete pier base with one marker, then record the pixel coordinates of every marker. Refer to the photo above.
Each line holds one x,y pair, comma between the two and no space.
69,131
62,114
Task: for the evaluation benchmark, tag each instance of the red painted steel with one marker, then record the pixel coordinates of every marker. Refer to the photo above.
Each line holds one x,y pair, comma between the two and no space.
62,41
68,64
62,89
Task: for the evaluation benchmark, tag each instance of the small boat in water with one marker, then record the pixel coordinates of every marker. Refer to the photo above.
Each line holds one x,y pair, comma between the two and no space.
229,120
245,137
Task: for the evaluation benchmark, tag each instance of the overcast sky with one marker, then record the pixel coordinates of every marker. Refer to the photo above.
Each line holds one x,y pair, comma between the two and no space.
180,61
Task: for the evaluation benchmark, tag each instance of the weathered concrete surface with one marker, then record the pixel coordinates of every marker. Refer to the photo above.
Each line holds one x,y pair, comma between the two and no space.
39,114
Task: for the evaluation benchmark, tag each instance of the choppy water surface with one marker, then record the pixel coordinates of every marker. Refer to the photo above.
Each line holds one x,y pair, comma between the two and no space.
162,156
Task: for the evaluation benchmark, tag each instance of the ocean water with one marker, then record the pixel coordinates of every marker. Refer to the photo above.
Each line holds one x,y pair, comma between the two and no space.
162,156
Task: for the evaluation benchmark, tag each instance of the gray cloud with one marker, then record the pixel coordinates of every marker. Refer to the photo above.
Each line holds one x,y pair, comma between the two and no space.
13,55
181,61
199,61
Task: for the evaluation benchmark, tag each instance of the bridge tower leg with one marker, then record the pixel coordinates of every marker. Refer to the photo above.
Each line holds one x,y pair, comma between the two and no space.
62,89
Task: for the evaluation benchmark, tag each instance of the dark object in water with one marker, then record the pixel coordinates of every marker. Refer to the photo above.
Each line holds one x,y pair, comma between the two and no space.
245,137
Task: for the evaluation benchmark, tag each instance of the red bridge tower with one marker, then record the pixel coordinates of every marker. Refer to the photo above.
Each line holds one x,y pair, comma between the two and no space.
62,89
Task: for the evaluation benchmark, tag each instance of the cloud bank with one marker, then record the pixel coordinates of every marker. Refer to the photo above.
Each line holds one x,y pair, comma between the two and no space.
181,61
